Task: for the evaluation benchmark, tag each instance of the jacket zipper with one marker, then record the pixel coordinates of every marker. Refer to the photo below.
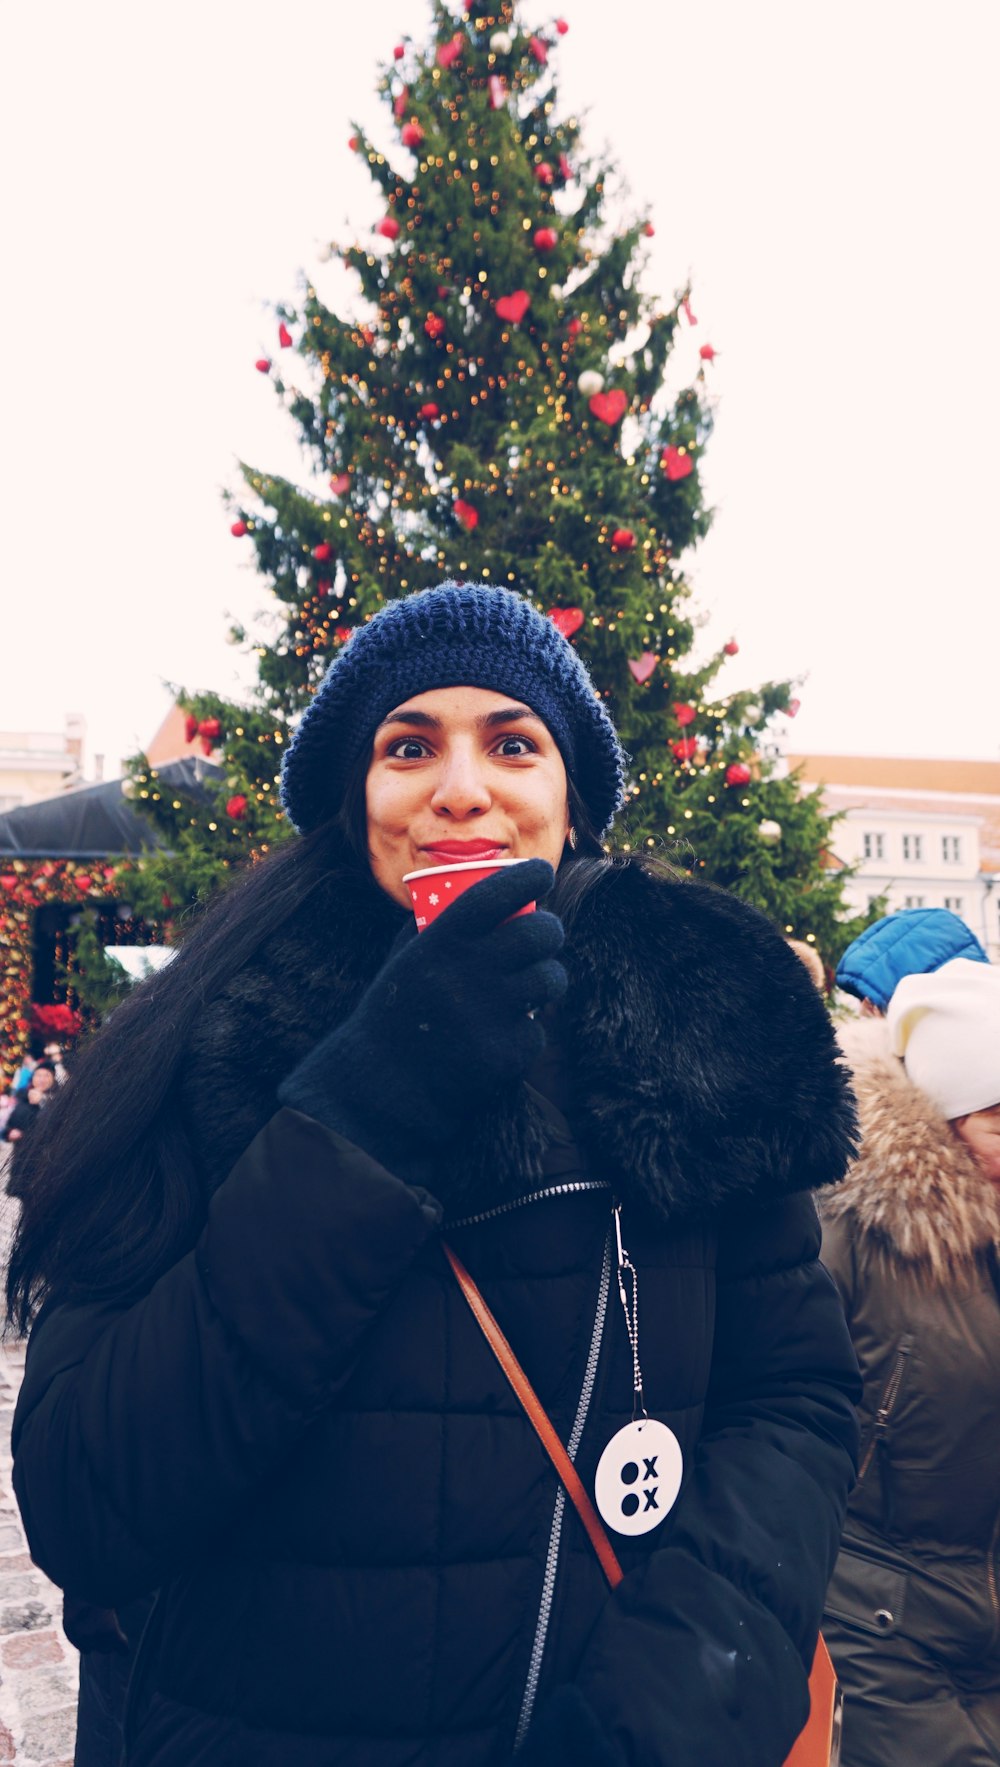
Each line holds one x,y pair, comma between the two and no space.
532,1196
555,1534
991,1578
887,1404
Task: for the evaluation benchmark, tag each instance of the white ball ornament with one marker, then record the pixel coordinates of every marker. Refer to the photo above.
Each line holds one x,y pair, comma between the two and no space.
752,713
769,832
501,42
590,382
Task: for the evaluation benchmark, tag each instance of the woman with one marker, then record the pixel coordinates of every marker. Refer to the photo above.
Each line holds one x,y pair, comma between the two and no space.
253,1382
913,1615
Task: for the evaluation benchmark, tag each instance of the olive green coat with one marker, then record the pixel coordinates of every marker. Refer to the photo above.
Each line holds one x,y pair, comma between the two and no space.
913,1612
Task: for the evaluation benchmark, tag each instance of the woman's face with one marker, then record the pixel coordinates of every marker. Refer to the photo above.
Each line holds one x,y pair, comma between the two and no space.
462,773
981,1134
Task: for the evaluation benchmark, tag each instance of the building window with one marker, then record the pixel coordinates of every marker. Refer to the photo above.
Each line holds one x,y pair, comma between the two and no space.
951,849
955,903
873,845
914,902
913,848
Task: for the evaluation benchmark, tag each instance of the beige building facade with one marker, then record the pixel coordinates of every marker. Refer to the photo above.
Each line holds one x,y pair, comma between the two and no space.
36,764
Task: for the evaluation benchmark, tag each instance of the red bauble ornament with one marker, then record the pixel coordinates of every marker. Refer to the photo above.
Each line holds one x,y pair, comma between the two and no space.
684,748
622,540
566,620
263,365
434,325
210,728
238,529
539,49
401,104
732,648
684,714
429,411
323,551
354,142
399,52
676,464
544,173
367,335
546,239
649,230
466,513
284,336
324,586
513,306
498,92
686,310
610,407
565,167
236,806
190,727
574,327
411,135
340,484
444,290
388,227
642,666
738,773
83,884
561,26
707,353
449,52
794,707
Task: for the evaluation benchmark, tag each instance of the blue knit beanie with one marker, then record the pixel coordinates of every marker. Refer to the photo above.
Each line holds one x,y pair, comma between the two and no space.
458,635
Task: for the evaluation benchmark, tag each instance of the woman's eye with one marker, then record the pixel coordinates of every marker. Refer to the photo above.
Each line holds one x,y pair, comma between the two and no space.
526,747
407,748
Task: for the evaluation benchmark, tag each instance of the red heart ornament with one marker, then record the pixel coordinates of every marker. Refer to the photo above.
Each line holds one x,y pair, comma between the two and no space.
388,227
398,52
263,365
684,747
675,463
642,666
732,648
684,714
561,26
574,327
546,239
610,407
544,173
238,529
340,484
622,540
738,773
284,336
210,728
449,52
411,135
466,513
236,806
649,230
707,353
190,727
513,306
401,104
323,551
566,620
429,412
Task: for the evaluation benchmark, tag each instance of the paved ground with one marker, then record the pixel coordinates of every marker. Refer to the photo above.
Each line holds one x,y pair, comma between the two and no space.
38,1667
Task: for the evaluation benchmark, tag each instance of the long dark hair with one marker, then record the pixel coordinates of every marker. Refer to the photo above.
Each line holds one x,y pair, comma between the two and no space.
110,1188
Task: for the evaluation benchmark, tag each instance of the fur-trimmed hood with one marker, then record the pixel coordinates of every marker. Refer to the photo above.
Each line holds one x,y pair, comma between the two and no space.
915,1193
703,1061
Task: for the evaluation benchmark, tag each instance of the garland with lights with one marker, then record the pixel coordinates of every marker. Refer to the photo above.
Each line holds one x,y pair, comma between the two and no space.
494,408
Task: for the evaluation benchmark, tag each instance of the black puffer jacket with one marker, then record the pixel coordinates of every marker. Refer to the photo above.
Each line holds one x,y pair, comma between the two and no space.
302,1438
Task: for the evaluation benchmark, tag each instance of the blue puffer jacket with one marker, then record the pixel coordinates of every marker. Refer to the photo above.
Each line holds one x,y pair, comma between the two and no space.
912,942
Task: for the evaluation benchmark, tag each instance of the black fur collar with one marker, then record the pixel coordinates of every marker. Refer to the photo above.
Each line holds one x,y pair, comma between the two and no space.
703,1061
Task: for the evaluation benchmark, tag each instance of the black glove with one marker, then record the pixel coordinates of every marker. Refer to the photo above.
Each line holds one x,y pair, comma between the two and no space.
566,1733
443,1028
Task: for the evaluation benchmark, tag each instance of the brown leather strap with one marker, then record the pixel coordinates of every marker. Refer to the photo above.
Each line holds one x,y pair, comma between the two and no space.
539,1418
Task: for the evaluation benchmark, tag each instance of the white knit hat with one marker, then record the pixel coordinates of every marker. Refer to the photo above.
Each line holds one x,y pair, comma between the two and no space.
946,1026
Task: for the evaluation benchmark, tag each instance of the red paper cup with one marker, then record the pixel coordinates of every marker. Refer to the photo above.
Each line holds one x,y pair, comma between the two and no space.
433,889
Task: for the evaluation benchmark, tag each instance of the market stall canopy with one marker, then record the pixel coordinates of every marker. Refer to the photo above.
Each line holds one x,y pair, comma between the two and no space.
95,821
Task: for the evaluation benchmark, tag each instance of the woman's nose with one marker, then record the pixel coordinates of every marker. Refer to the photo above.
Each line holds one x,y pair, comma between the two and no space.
461,788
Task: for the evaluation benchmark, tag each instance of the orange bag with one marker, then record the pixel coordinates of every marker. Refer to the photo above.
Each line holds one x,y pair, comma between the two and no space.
818,1745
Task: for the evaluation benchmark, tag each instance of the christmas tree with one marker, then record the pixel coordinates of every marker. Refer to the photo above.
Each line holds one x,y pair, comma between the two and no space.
492,408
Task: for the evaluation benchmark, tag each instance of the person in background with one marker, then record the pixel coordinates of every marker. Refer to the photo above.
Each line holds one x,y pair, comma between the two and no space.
912,1239
22,1076
24,1116
8,1101
56,1055
913,941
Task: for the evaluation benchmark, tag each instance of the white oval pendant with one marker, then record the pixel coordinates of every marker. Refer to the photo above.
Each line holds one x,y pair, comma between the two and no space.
638,1476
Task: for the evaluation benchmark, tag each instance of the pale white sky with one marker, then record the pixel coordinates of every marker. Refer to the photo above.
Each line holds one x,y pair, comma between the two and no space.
826,173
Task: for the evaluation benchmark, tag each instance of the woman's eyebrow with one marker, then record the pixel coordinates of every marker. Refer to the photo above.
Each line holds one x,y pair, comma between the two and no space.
485,720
